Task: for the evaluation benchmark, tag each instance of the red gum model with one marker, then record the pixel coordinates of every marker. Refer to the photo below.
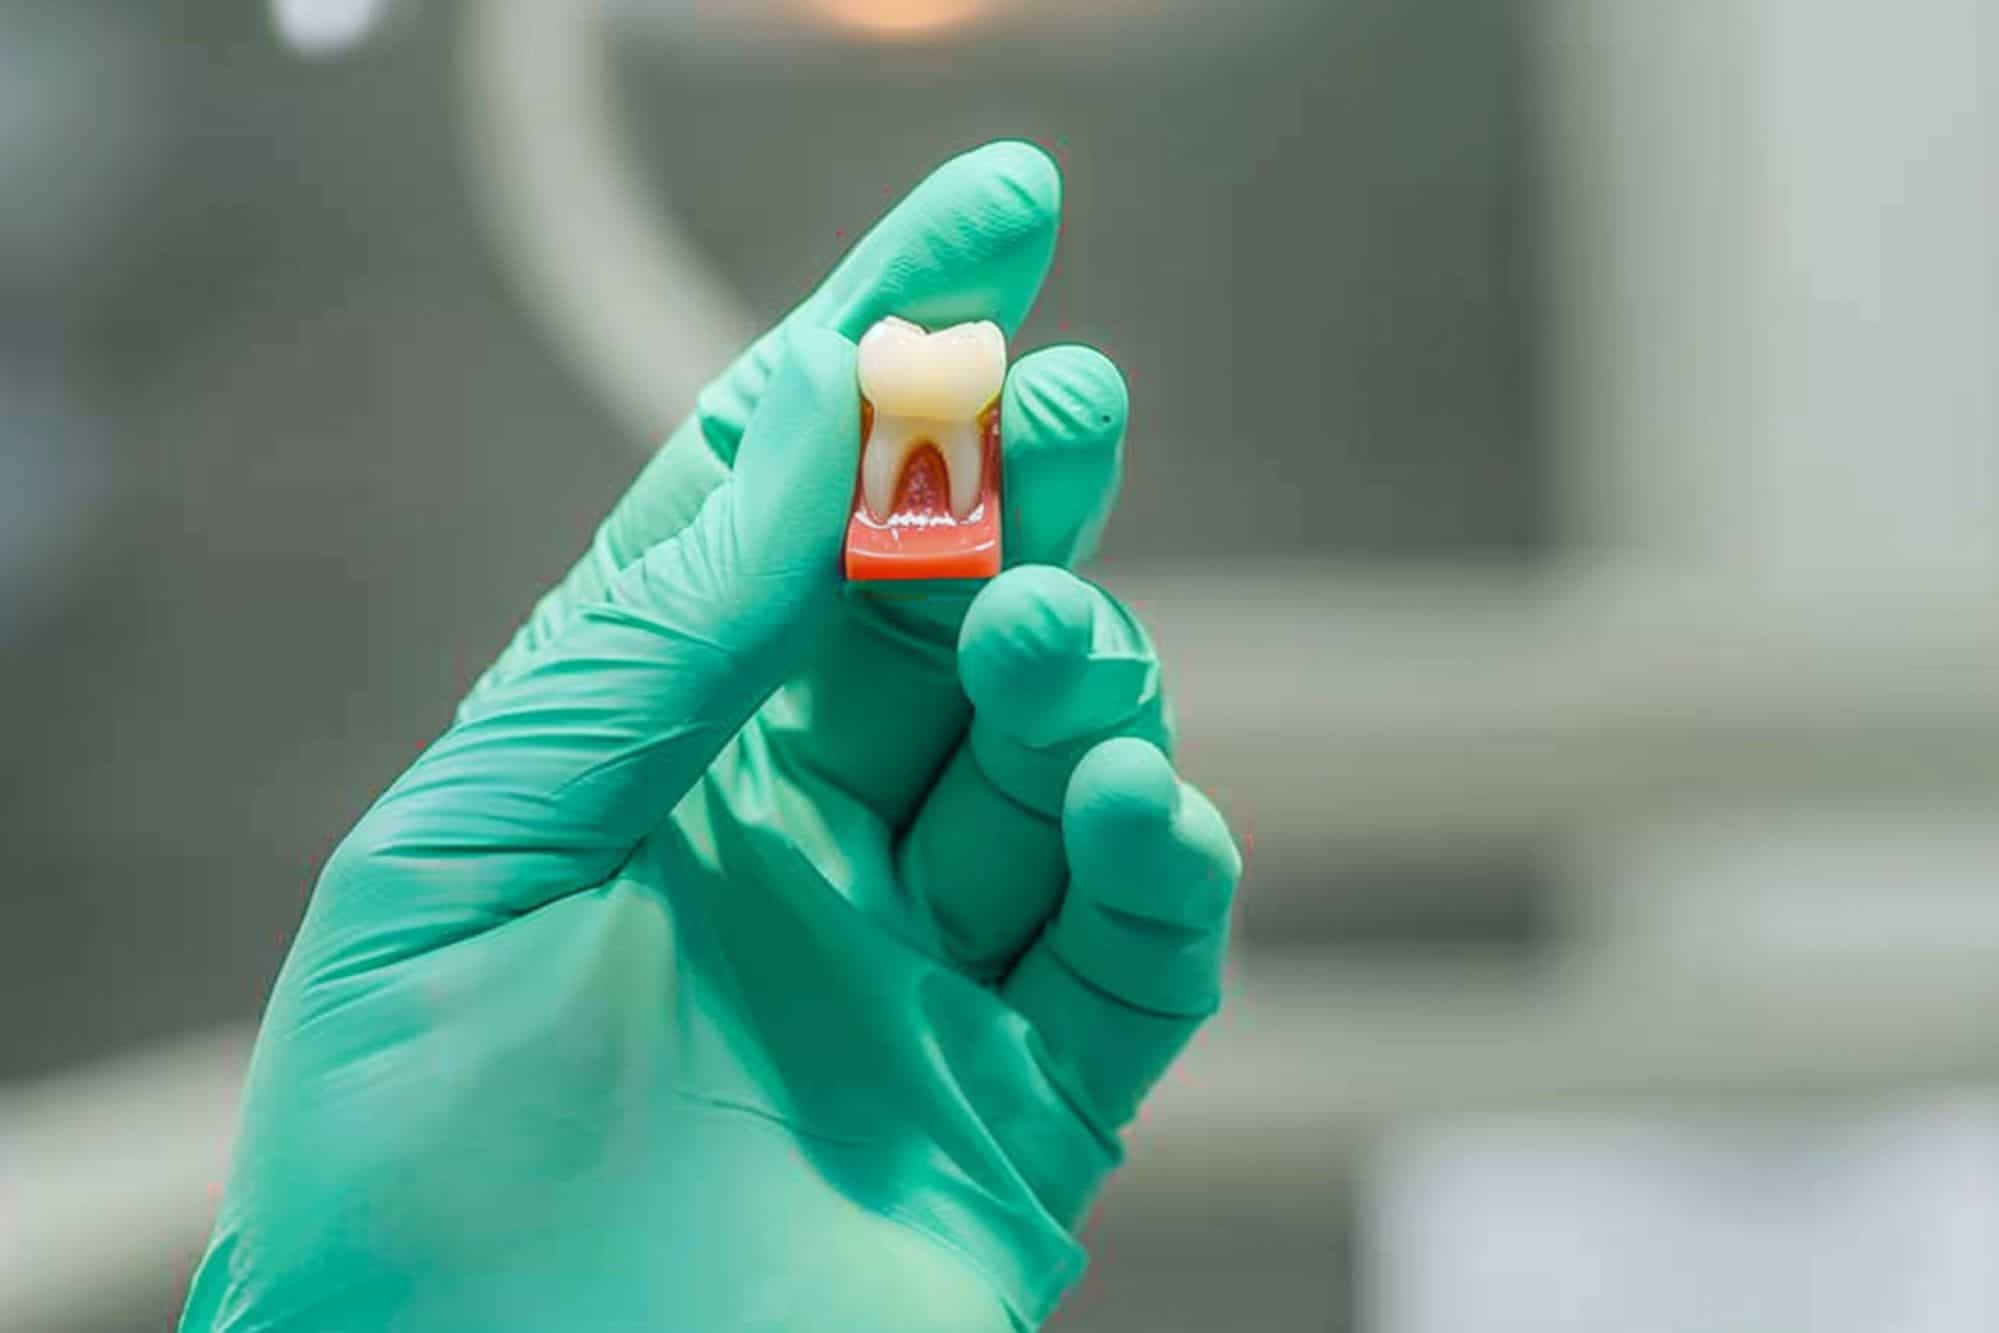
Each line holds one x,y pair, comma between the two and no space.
920,538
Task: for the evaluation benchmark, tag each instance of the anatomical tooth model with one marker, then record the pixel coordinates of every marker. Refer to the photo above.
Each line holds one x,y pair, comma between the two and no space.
926,505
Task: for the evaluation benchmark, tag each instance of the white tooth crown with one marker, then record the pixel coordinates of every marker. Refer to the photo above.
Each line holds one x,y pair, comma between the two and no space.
928,388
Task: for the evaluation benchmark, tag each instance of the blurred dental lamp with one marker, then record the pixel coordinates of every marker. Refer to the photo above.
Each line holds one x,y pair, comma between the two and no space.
326,28
808,22
902,18
591,244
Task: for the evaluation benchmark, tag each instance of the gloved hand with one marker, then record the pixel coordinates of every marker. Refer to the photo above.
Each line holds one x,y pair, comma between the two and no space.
755,951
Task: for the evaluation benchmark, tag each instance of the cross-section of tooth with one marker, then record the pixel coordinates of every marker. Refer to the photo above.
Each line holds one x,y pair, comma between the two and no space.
928,389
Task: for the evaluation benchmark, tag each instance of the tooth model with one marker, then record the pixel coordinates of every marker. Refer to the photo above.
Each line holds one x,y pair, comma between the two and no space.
927,502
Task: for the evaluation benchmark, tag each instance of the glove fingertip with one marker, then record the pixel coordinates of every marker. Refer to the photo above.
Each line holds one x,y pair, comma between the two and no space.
1124,783
1028,620
1019,183
1070,395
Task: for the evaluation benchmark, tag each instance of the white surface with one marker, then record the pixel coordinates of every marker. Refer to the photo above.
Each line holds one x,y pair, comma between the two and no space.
1795,886
1773,273
1873,1221
109,1176
1870,455
1327,705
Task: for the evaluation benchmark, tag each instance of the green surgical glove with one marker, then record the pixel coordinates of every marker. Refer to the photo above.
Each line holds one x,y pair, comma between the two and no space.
755,951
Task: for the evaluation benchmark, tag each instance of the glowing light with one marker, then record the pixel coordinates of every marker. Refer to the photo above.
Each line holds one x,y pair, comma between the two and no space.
901,18
326,27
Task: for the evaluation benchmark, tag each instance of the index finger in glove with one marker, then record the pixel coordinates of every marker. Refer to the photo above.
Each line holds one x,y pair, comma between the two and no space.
972,241
547,785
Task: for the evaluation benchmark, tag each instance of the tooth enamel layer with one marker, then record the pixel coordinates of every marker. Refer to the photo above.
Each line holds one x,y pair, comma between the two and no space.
928,388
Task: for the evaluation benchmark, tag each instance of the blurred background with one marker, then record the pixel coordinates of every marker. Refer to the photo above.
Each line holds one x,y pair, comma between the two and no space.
1564,477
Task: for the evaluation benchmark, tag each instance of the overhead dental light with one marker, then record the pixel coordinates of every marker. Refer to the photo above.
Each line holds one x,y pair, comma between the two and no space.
324,28
594,249
792,25
902,18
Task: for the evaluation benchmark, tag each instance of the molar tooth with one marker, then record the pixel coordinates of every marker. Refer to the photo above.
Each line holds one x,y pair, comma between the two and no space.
944,376
928,388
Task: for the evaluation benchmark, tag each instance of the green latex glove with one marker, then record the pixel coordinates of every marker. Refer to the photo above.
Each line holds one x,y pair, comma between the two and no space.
755,951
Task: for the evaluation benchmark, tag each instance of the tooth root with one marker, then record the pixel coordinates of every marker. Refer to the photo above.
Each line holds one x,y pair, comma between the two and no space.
881,465
963,448
892,440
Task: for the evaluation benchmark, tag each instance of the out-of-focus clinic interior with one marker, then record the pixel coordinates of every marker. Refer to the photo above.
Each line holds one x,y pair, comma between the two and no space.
1564,481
